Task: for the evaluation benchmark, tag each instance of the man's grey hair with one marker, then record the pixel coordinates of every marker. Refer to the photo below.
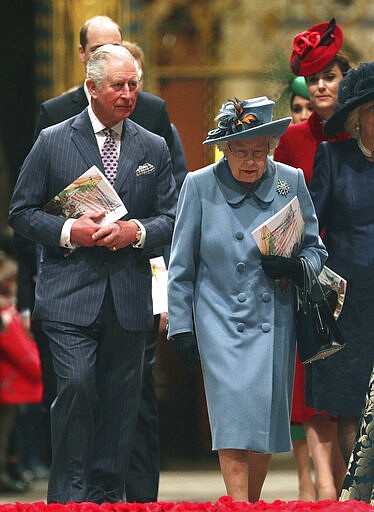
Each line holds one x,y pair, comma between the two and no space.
96,65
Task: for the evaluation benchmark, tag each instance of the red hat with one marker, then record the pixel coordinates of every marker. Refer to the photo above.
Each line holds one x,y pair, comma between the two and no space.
315,48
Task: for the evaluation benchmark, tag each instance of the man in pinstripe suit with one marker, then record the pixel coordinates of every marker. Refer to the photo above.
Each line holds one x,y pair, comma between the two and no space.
95,304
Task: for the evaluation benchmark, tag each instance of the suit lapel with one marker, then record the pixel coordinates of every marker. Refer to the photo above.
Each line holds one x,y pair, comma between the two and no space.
130,155
85,141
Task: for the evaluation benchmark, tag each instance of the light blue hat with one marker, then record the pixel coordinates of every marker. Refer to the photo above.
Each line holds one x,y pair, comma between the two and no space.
247,119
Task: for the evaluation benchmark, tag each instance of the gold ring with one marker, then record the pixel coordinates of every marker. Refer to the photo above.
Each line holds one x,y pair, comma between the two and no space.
114,248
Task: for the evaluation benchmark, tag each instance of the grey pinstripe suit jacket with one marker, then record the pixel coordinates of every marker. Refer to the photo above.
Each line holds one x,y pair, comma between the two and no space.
71,289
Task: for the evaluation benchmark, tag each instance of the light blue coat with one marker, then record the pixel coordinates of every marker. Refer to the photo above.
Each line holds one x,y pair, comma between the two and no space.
243,322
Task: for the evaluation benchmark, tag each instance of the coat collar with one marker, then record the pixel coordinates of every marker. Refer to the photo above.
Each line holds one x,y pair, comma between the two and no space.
235,193
316,123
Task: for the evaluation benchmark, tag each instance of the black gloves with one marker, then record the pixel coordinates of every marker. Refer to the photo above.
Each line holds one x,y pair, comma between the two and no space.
277,267
185,345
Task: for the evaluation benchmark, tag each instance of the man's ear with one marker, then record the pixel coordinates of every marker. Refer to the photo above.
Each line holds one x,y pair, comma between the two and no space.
81,54
91,86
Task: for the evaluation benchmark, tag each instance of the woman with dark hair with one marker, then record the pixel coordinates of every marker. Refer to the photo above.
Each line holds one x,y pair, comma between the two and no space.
323,68
315,56
300,105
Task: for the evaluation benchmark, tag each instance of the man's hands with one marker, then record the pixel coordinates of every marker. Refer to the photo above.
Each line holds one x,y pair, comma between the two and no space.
83,229
85,232
116,235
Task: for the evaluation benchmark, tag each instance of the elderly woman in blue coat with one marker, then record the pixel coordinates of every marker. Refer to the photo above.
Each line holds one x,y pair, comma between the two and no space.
226,304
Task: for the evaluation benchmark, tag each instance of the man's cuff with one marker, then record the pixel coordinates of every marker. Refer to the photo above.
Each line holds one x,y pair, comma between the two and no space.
65,235
140,244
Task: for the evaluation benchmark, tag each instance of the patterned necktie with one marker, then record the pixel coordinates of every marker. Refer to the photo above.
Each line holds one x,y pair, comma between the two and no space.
109,156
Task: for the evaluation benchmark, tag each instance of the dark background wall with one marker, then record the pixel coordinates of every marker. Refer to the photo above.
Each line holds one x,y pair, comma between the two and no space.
17,105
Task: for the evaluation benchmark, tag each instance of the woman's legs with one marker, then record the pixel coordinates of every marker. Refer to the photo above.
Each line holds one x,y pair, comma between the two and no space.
307,490
322,441
258,468
244,473
347,430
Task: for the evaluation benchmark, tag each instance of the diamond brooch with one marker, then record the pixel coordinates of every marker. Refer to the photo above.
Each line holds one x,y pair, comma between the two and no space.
283,187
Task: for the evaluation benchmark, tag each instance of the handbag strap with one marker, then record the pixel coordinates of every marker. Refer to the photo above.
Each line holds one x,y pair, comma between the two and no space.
306,290
323,304
307,264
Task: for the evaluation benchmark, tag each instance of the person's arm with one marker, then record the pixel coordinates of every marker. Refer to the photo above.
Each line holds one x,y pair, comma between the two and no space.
183,260
178,158
320,184
313,247
164,125
26,215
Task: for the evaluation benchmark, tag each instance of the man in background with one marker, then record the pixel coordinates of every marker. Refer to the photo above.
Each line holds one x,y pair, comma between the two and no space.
144,471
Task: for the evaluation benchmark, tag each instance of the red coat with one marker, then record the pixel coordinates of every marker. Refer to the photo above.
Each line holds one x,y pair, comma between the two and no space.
297,147
20,369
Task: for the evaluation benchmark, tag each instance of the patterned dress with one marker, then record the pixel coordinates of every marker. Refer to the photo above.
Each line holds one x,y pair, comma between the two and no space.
359,481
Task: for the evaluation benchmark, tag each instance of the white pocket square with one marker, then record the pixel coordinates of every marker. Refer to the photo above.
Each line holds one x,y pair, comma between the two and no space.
145,169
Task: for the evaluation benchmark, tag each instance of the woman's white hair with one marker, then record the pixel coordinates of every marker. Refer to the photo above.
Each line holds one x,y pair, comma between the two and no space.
96,65
272,143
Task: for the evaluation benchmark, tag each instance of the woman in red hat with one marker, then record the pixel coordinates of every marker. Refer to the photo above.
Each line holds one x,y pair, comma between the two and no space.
315,56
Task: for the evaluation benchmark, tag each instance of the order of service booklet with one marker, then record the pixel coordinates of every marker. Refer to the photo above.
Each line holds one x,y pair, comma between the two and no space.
159,285
282,235
89,193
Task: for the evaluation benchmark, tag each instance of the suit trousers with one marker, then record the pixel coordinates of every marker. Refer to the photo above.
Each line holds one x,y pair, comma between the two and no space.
144,470
99,373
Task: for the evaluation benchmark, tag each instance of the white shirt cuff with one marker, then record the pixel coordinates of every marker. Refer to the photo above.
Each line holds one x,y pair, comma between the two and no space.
65,235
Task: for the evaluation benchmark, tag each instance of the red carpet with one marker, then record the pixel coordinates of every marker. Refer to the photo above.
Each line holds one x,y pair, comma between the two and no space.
224,504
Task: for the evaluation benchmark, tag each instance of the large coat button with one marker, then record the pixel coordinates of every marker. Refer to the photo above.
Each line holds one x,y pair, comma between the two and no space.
240,267
266,327
266,297
242,297
240,327
239,235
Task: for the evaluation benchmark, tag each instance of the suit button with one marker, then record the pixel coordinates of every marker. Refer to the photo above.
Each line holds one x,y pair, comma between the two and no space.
266,297
240,327
242,297
266,327
239,235
240,267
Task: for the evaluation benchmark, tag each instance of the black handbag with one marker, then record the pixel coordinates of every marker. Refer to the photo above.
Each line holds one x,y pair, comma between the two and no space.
318,335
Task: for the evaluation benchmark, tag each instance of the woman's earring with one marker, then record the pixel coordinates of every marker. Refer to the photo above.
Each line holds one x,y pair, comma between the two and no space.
357,127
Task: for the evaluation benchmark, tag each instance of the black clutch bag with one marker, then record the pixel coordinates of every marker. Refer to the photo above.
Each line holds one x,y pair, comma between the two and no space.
318,335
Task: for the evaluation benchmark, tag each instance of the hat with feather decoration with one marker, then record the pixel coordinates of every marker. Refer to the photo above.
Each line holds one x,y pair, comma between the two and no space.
246,119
